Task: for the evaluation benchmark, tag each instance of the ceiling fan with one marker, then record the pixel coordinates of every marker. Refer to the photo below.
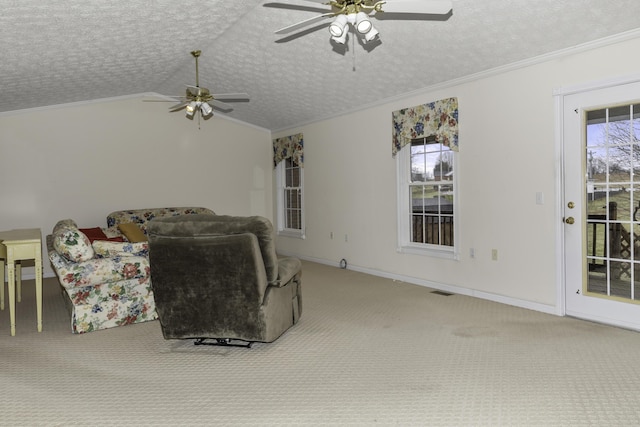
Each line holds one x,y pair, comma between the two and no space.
199,100
356,13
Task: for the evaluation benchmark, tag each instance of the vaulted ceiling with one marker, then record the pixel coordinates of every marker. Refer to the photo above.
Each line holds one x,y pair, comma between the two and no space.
63,51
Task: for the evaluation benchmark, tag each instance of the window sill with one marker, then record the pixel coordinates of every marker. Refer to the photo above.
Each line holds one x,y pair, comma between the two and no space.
298,234
446,253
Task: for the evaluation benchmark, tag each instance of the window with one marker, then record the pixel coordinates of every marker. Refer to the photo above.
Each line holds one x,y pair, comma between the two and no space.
612,188
427,198
290,201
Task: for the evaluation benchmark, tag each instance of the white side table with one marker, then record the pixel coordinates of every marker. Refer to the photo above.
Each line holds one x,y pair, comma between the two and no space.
22,244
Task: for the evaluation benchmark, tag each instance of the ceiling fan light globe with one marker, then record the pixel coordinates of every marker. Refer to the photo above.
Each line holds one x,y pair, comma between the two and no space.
335,30
191,108
371,35
342,39
363,24
338,26
206,109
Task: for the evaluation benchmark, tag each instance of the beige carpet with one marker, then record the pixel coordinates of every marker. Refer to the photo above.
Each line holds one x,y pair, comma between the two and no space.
367,351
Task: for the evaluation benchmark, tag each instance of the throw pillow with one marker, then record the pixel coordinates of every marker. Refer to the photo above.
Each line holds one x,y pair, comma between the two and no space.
64,223
72,244
132,232
96,233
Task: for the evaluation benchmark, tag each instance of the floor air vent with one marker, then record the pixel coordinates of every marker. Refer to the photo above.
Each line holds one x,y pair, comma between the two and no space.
443,293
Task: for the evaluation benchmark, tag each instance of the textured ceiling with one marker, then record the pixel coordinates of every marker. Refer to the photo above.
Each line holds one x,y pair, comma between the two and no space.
60,51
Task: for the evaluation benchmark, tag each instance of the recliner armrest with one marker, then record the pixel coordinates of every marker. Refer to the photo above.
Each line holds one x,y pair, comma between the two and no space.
288,267
106,249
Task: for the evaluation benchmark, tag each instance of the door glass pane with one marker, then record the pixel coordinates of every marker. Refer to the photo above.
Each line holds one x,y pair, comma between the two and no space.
636,160
620,279
596,168
613,202
636,281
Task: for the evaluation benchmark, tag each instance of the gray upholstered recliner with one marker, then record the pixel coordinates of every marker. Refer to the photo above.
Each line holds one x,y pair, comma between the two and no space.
218,277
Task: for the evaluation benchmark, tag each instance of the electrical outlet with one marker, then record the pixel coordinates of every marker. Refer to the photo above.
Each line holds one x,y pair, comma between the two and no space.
331,235
346,238
472,252
494,254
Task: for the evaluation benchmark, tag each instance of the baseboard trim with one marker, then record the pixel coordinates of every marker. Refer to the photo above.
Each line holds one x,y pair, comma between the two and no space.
604,320
529,305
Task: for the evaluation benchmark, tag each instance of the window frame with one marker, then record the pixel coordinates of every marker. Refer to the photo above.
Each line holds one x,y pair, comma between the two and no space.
282,208
404,219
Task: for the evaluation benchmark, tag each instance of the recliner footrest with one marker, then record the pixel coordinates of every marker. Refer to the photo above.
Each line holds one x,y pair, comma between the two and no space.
225,342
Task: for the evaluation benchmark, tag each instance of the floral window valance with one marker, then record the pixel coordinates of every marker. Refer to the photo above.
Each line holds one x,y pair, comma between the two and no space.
288,147
439,118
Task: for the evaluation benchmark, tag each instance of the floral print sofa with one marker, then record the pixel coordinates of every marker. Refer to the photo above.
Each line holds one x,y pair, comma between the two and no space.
107,279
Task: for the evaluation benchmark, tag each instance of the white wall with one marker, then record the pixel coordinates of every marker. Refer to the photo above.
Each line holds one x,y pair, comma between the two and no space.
508,153
85,161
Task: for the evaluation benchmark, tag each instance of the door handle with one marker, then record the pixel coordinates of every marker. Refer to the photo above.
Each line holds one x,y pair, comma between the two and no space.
570,220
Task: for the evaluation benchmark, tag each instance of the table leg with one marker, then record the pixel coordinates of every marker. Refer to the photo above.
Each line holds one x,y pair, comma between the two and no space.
11,282
19,281
38,271
2,287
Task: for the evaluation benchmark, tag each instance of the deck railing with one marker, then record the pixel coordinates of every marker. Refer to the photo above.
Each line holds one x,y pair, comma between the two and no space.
432,229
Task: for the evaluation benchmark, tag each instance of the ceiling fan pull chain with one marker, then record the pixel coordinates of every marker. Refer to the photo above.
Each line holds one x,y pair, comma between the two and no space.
353,48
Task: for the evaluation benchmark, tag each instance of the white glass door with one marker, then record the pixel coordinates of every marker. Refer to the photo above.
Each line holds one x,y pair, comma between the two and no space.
601,135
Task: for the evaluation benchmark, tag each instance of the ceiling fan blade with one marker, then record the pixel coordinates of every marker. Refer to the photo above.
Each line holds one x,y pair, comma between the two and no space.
163,98
428,7
278,5
304,23
220,105
179,106
237,97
